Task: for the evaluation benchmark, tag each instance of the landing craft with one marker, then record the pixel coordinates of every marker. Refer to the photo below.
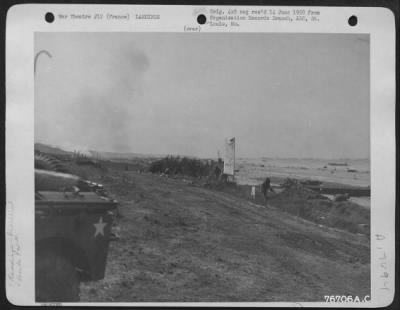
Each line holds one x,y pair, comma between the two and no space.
337,164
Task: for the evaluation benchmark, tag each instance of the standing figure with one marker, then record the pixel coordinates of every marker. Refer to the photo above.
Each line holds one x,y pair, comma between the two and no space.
265,187
217,172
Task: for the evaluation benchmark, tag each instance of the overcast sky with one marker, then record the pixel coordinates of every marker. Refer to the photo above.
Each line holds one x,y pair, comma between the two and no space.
280,95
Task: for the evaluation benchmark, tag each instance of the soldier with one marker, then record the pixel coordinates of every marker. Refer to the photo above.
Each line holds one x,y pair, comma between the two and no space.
265,187
217,172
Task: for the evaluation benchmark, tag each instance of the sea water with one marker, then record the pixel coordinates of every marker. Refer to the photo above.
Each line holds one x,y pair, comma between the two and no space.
253,171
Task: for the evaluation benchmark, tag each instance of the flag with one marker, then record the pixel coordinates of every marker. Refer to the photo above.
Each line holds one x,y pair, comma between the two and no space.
229,159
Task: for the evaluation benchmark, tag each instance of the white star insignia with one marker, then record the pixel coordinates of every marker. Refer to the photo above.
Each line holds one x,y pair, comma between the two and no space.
99,227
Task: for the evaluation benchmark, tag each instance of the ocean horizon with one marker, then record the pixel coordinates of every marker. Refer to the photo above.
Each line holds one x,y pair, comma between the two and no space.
252,171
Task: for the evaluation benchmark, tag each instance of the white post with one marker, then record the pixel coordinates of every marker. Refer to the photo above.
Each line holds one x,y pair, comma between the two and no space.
234,151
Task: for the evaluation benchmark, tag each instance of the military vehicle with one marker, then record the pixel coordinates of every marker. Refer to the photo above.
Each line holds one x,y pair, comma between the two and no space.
73,222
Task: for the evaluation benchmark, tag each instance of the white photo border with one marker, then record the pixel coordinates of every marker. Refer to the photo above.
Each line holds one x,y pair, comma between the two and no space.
23,21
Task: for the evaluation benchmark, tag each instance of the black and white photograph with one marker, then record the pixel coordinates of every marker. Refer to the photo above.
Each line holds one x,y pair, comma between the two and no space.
200,156
209,167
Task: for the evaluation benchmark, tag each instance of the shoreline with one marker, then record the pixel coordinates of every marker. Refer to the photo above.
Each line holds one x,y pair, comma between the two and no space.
350,215
330,189
338,178
325,187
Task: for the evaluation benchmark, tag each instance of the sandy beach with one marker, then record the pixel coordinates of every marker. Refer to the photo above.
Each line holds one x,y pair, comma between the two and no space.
183,241
200,239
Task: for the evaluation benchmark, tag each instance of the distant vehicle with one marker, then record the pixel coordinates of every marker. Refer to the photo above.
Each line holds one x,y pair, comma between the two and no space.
338,164
310,182
72,234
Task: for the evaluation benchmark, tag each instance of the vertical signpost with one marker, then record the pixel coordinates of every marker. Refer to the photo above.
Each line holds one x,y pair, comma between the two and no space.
229,160
233,141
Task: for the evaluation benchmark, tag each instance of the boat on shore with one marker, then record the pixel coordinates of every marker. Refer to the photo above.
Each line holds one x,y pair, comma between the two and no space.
333,189
338,164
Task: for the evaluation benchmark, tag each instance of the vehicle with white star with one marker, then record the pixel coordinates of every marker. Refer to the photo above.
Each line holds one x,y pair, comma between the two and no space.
73,228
